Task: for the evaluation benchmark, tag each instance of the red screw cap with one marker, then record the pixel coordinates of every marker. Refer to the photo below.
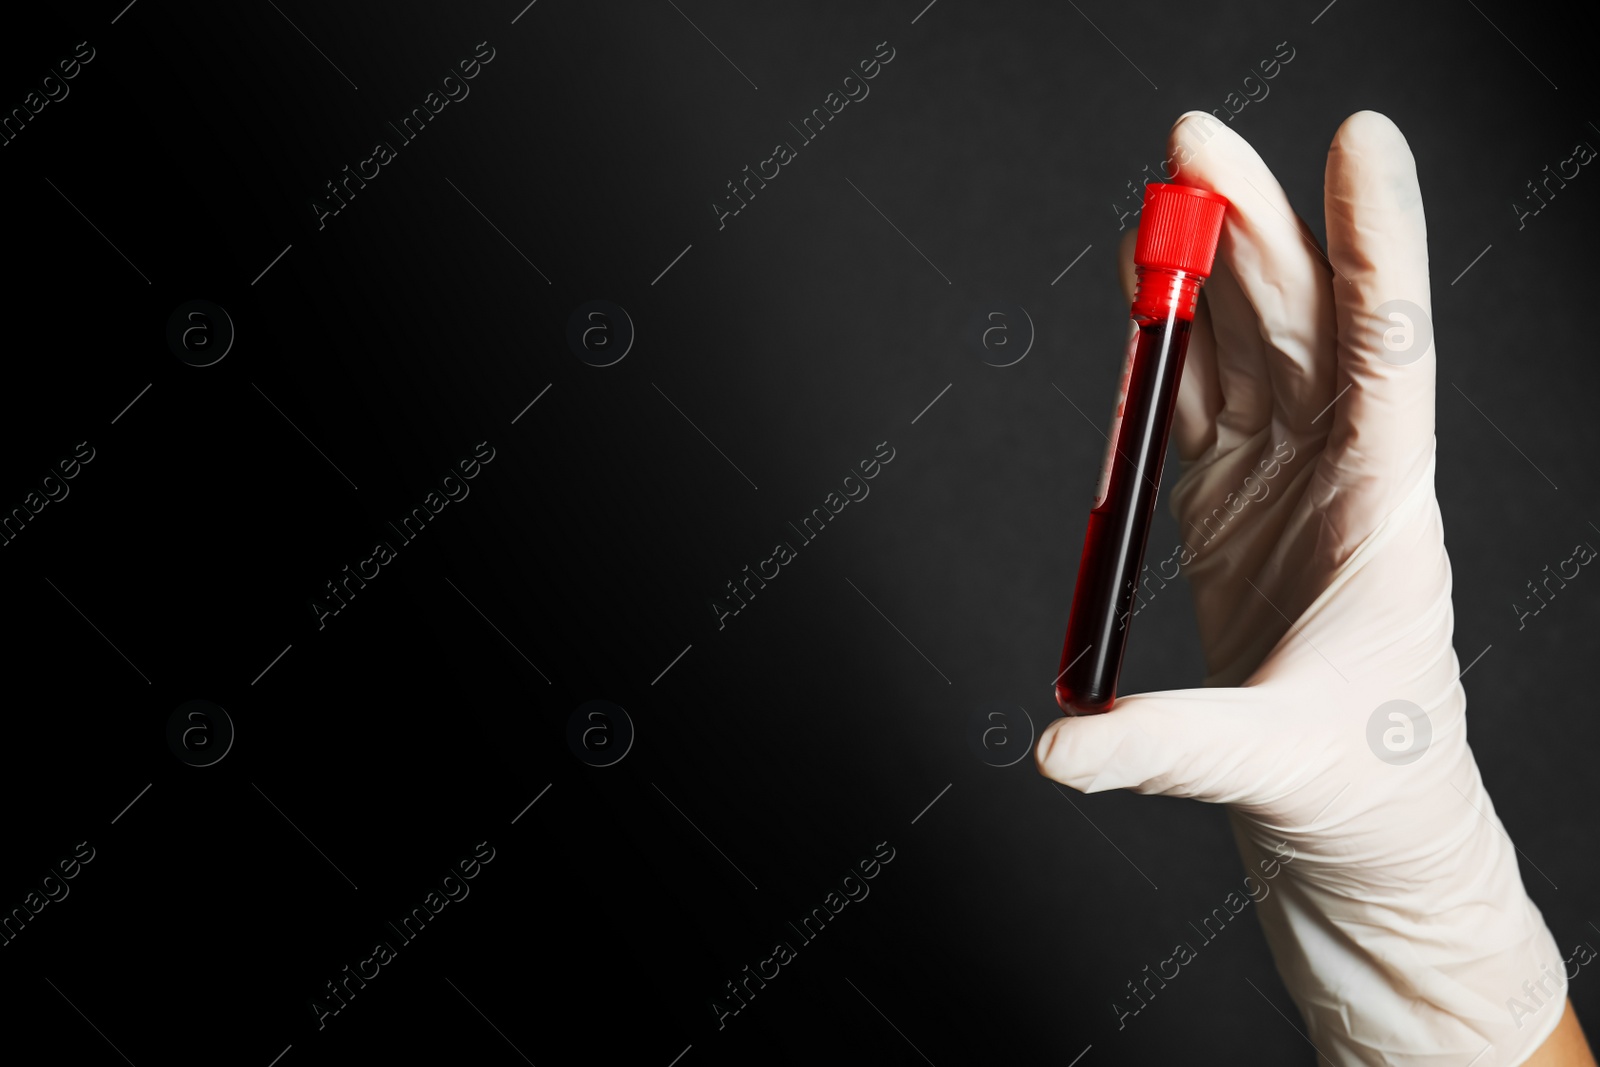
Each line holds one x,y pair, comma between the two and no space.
1179,227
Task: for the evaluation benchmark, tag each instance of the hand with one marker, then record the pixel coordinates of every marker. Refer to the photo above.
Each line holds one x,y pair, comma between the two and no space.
1402,928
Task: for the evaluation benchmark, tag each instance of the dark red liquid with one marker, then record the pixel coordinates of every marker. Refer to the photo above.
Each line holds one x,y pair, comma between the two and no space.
1113,548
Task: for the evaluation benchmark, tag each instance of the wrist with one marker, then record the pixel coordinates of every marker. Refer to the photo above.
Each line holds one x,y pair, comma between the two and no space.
1406,974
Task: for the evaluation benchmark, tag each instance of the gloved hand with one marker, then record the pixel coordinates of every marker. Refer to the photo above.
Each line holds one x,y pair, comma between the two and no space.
1401,927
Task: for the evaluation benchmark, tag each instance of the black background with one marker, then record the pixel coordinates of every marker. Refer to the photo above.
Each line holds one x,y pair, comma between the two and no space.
779,751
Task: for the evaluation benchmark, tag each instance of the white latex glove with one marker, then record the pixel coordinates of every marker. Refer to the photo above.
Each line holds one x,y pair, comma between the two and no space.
1401,926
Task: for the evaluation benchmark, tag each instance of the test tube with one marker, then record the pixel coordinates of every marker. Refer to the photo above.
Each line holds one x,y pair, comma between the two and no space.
1178,231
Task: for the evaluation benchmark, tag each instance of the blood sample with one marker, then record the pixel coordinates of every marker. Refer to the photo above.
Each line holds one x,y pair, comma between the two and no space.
1178,231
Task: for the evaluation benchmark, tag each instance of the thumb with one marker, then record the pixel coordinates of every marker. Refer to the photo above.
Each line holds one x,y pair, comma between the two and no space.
1182,743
